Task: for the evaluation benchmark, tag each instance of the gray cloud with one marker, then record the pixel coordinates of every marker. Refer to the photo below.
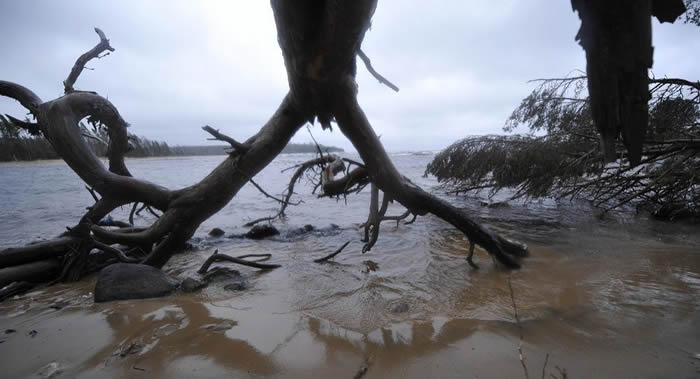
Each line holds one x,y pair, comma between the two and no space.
462,66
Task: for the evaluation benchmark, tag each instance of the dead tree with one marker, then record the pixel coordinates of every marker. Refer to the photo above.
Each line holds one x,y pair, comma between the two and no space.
617,38
320,41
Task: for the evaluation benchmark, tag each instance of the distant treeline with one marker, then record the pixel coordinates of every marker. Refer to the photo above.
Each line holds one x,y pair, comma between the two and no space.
224,149
18,145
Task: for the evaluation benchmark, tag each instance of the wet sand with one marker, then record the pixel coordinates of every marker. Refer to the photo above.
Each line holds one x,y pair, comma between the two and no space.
594,318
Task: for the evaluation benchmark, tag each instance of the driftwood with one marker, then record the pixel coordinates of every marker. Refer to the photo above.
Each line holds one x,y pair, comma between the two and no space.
333,254
320,42
216,257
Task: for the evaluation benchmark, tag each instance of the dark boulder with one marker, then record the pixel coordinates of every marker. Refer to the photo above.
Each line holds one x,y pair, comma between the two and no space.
124,281
261,231
191,285
400,308
216,233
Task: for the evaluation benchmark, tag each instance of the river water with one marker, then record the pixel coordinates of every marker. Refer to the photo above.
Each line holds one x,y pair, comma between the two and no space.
617,296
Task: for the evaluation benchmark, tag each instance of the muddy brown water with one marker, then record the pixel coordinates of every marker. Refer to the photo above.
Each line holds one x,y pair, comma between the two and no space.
612,297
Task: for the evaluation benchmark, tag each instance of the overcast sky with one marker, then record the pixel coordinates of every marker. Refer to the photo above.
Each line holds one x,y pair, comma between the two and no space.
462,66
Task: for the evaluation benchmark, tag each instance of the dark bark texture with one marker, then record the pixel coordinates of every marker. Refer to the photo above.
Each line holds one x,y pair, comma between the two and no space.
616,36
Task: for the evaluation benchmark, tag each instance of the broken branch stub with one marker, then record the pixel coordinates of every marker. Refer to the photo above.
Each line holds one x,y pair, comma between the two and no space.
85,58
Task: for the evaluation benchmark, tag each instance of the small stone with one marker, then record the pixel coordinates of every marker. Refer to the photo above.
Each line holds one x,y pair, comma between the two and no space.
370,266
238,285
216,232
32,333
259,232
226,325
400,308
133,348
191,285
59,305
308,227
51,370
126,281
218,274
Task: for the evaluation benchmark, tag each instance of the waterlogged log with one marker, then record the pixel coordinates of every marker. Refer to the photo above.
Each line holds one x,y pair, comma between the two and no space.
35,252
39,271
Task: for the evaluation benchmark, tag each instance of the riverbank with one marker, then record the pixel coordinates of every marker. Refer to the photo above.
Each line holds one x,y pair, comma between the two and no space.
613,297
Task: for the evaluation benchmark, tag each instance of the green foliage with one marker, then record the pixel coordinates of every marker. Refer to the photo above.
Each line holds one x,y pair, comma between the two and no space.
692,15
559,157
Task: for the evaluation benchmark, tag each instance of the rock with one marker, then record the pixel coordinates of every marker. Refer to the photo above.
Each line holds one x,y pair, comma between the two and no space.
32,333
133,348
370,266
216,232
226,325
400,308
10,331
165,330
191,285
238,285
60,304
259,232
124,281
51,370
218,274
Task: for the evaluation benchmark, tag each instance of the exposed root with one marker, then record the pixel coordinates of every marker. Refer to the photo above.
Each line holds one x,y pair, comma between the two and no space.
330,256
471,254
216,257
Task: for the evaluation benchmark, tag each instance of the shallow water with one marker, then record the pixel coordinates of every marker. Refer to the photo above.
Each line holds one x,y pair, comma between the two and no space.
612,297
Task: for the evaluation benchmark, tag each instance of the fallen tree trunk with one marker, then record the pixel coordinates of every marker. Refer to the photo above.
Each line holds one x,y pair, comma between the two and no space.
35,252
320,41
39,271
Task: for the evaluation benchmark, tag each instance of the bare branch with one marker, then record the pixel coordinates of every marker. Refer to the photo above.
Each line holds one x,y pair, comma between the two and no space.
374,73
84,59
113,250
216,257
277,199
26,97
218,136
675,81
31,127
329,256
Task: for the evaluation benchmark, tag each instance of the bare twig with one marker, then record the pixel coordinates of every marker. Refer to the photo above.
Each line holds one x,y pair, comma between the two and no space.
216,257
374,73
471,255
277,199
329,256
218,136
544,367
118,253
92,193
131,214
520,328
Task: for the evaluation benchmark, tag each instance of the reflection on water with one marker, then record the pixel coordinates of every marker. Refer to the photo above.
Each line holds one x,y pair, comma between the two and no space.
613,297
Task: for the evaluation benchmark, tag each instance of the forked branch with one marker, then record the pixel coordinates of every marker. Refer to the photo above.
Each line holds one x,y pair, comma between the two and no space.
85,58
